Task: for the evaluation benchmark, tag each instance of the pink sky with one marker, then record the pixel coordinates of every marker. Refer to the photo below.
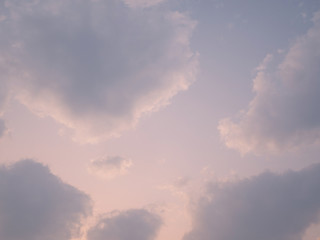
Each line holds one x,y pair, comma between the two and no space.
154,116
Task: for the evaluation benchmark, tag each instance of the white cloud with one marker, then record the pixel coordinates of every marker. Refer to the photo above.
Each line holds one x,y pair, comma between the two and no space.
110,166
134,224
285,111
264,207
36,205
96,66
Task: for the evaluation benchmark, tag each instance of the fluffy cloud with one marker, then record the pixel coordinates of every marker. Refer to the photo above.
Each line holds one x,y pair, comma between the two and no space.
95,66
267,206
36,205
135,224
110,166
285,111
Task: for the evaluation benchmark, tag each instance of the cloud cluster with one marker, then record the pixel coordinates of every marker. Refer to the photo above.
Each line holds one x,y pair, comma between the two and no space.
135,224
285,111
95,66
110,166
264,207
36,205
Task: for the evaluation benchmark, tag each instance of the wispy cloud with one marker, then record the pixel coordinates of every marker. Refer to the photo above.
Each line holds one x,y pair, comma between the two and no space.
3,99
143,3
110,166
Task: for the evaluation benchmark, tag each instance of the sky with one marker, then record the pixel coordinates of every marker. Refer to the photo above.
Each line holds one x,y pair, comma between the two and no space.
159,120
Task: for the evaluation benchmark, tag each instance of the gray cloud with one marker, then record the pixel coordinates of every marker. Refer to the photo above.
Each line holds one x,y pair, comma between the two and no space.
2,127
285,111
3,99
36,205
96,66
267,206
142,3
135,224
110,166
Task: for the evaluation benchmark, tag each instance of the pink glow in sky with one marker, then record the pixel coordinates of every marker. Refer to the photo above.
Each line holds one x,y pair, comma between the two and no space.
159,120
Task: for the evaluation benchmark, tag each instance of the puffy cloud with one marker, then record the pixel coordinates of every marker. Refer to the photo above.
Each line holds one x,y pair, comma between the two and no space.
284,113
267,206
96,66
135,224
36,205
110,166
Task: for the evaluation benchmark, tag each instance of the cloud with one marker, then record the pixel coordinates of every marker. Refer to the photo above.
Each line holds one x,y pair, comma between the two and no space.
264,207
36,205
284,114
96,66
142,3
3,99
181,182
135,224
110,166
179,187
2,127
